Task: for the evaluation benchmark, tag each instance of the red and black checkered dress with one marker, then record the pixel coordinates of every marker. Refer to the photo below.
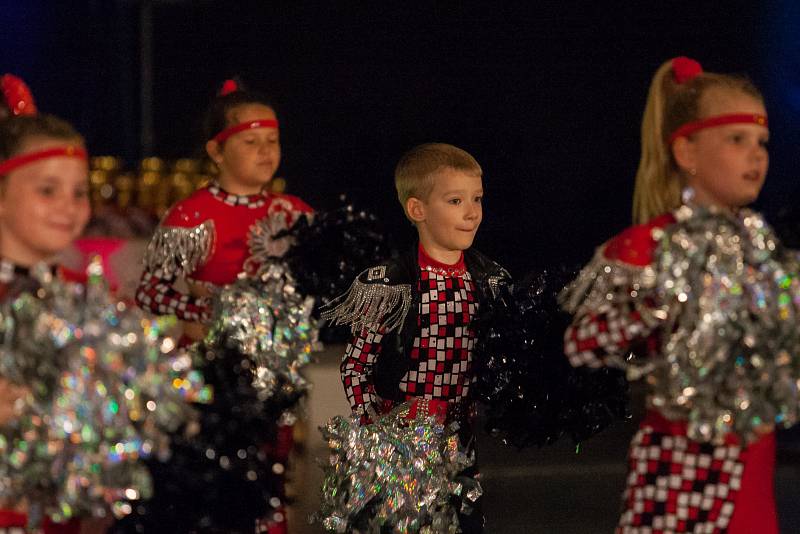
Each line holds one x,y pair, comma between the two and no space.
674,484
441,354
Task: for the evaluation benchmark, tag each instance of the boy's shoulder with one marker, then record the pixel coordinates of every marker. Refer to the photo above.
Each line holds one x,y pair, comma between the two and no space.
635,244
378,300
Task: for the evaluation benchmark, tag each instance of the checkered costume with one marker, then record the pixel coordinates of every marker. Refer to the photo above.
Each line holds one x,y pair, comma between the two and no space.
440,356
413,335
674,484
203,239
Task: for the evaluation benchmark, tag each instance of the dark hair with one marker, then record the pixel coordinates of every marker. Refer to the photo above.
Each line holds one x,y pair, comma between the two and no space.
15,130
218,116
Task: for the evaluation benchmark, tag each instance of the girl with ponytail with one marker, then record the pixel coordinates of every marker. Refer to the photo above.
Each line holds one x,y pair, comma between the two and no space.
699,299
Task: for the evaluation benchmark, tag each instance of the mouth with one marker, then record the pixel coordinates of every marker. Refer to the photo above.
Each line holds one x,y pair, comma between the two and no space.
62,227
753,176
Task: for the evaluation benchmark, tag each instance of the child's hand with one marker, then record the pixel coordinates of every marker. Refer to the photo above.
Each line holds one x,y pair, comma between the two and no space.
11,396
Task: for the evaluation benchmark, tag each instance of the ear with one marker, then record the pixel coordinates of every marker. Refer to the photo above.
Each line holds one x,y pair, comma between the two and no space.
684,154
214,151
415,209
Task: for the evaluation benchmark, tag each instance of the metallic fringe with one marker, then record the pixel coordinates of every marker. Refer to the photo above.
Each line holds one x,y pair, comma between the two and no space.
603,282
176,251
377,307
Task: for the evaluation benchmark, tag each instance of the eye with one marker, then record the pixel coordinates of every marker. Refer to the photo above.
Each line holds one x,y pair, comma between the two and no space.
763,143
81,193
479,199
737,138
454,201
46,190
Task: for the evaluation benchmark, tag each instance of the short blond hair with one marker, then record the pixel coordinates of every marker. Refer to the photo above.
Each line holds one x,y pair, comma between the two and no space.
415,172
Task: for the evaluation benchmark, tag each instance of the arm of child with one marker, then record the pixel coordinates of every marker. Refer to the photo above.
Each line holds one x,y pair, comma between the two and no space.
612,301
356,372
597,335
158,295
175,251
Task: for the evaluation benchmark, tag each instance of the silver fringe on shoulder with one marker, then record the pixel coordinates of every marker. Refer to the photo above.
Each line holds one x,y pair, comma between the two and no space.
603,283
177,251
377,307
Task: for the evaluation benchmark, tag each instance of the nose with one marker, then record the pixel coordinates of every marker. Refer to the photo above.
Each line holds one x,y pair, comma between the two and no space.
473,211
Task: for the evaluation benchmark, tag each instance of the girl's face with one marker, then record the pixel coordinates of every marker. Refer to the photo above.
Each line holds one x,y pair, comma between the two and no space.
248,160
44,205
727,165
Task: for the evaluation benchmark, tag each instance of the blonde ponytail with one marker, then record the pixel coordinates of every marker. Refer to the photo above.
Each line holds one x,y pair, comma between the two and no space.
657,189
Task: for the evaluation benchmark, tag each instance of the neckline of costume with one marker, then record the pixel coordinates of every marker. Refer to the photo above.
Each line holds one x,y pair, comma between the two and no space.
429,264
10,270
251,201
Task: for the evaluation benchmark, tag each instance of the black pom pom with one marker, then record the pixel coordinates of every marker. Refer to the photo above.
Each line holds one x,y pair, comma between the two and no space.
222,477
533,395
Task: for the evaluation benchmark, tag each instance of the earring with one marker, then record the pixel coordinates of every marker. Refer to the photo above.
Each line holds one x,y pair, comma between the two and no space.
693,172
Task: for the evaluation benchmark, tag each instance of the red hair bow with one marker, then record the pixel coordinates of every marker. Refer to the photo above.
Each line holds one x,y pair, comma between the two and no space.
17,96
685,69
228,87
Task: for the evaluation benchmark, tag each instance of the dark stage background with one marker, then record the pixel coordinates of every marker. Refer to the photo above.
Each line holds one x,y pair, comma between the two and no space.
547,96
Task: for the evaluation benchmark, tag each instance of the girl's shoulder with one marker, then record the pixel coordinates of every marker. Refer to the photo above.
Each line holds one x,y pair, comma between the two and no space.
290,201
192,210
635,244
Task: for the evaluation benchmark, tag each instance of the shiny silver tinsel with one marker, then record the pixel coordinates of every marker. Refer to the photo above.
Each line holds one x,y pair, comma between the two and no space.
105,387
266,319
395,474
724,296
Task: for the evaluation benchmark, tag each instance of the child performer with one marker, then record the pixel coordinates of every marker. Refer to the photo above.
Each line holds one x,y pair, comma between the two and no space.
44,206
706,133
204,239
412,317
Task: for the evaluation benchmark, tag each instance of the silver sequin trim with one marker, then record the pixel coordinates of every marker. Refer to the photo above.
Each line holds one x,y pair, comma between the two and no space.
177,251
377,307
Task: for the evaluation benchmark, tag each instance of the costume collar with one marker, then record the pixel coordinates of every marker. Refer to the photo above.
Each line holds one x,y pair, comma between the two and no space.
251,201
9,271
429,264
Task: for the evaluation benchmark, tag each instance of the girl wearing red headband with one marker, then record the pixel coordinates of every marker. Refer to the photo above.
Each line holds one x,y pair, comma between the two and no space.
703,159
204,239
44,206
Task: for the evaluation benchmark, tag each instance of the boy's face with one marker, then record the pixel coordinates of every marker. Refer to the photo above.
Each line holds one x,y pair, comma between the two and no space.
449,218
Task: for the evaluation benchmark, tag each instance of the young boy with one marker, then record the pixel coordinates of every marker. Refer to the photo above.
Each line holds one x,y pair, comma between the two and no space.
412,317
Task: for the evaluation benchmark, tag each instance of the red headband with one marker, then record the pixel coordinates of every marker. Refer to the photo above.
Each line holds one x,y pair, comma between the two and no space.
18,161
720,120
260,123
